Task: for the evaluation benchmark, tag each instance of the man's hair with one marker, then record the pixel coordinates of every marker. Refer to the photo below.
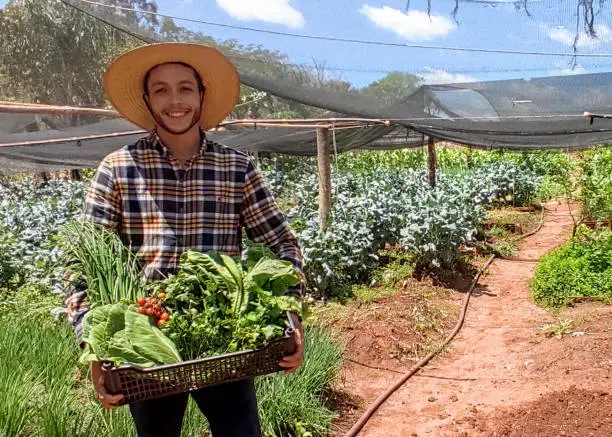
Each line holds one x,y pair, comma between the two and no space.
201,87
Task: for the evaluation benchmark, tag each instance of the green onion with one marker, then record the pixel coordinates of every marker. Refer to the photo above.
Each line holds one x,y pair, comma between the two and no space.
111,270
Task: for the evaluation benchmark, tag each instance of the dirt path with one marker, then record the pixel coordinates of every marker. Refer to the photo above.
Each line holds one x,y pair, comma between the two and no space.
500,363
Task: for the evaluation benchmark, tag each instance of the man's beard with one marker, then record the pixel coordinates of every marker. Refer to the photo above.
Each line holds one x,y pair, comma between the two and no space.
194,120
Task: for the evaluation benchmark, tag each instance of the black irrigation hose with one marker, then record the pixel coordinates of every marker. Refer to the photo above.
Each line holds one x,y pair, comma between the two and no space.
529,234
382,398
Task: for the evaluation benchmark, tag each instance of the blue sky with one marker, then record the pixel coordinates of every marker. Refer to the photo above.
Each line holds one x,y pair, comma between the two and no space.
549,28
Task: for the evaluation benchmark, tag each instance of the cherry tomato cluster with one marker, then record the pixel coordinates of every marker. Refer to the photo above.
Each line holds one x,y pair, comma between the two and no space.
151,306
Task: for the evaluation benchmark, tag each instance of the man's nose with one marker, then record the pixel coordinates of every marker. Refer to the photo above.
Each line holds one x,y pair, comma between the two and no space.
175,96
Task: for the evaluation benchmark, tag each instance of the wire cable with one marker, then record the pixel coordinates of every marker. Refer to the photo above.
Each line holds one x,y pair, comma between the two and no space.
349,40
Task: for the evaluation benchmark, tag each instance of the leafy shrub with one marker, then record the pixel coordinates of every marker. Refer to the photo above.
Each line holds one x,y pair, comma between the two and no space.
583,267
506,182
367,213
370,210
438,220
7,268
550,188
33,214
595,184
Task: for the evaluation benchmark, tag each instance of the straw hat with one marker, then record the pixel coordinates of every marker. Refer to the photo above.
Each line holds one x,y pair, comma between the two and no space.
124,81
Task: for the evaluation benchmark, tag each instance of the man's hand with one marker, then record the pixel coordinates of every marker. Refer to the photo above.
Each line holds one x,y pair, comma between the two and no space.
292,362
107,400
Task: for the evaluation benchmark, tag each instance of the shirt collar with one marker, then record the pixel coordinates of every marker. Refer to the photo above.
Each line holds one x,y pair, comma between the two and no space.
156,143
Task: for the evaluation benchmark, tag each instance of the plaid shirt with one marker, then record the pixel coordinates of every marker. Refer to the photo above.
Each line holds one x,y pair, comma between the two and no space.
161,209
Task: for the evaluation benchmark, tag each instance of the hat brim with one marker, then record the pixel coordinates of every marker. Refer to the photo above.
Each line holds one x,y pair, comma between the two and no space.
124,81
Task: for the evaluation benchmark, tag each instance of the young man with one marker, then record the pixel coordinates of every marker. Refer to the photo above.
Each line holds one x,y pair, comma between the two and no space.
175,190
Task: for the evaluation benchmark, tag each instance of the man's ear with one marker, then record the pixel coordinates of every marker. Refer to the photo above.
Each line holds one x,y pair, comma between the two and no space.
145,97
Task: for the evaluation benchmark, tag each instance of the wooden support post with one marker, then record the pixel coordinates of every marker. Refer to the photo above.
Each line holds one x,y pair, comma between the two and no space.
44,177
75,175
469,158
432,161
256,158
323,152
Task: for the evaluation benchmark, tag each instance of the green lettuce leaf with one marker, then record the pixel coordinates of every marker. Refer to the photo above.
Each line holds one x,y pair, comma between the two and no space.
148,341
119,334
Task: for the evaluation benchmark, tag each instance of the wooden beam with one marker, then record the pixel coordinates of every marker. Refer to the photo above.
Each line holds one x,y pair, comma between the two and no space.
323,158
57,110
432,161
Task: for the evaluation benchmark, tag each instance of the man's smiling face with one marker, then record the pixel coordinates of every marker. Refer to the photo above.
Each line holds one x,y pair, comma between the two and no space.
174,97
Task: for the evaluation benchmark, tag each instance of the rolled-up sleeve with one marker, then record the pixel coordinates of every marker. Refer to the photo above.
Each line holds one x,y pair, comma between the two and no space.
265,223
102,203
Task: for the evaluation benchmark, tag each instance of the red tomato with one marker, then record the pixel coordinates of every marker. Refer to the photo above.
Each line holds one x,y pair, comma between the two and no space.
161,296
141,301
161,323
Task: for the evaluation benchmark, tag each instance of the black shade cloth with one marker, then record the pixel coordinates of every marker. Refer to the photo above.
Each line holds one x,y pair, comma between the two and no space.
516,114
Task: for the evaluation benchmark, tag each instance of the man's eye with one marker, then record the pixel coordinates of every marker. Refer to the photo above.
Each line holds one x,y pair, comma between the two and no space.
159,91
187,89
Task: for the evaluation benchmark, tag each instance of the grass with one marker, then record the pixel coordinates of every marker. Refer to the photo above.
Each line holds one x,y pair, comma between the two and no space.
296,405
505,243
46,392
559,328
420,311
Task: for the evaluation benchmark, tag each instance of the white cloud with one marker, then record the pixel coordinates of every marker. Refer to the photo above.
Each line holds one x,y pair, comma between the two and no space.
272,11
566,37
565,70
437,77
412,25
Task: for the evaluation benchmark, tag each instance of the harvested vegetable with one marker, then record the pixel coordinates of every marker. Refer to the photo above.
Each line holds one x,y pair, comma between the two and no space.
109,267
217,306
215,303
119,334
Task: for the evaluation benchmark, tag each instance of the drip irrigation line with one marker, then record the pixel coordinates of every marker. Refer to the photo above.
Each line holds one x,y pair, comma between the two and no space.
383,397
386,369
529,234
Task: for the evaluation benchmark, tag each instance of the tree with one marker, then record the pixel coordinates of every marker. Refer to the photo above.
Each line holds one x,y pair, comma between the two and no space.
392,88
56,54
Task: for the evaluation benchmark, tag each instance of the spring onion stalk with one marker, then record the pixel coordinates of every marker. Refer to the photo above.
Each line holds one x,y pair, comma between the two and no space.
111,270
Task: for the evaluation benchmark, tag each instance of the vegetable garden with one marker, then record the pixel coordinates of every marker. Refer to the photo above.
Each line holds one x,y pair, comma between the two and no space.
389,228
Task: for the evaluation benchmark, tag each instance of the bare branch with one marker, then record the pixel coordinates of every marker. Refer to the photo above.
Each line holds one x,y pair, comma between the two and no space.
589,18
454,14
574,61
526,9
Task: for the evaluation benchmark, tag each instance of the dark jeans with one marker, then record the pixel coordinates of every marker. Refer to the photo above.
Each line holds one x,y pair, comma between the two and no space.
231,410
